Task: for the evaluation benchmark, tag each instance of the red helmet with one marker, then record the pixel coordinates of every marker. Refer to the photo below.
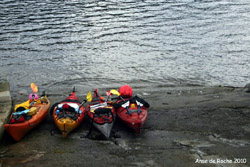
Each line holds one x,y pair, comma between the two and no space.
126,90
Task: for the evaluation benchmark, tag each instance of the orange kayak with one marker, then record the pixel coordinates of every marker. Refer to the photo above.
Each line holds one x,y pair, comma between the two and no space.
19,129
68,114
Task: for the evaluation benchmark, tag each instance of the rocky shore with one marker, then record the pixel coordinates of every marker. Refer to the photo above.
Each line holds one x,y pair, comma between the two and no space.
5,105
187,126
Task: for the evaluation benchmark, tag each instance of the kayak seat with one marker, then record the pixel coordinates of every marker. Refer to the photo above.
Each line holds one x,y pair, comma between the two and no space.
105,113
69,111
20,109
70,115
100,111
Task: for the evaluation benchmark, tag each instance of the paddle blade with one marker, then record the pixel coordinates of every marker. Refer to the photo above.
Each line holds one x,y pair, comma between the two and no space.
125,104
33,88
138,103
89,96
115,92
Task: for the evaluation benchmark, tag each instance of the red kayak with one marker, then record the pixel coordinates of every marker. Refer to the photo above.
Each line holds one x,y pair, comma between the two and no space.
133,112
101,114
68,114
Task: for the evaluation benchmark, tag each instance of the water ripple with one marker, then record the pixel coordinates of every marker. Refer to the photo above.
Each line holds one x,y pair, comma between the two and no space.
107,43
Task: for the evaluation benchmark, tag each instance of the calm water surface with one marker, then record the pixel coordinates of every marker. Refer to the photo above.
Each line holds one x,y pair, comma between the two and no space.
105,44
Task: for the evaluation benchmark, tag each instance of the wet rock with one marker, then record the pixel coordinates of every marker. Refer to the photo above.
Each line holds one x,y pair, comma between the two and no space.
194,146
3,153
122,143
194,143
146,163
5,105
37,155
247,128
231,142
208,125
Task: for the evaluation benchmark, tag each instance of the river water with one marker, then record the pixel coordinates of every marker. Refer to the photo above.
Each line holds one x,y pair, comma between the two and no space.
105,44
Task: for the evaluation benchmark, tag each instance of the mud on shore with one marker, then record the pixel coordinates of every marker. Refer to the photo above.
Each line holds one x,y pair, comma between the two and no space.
186,126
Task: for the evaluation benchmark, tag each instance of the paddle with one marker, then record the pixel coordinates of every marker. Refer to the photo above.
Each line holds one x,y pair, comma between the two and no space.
33,96
125,105
108,94
139,106
115,92
89,98
33,88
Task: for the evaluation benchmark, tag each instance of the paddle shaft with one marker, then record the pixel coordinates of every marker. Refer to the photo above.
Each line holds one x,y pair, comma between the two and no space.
84,101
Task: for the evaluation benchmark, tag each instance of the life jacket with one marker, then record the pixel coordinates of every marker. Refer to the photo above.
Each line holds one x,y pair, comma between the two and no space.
32,111
22,106
26,105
